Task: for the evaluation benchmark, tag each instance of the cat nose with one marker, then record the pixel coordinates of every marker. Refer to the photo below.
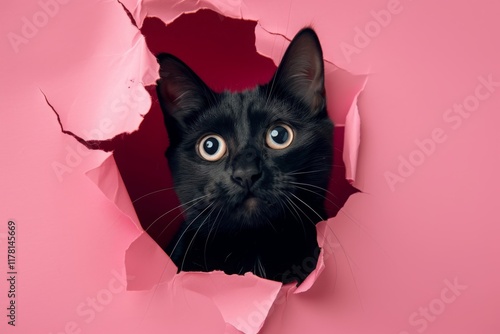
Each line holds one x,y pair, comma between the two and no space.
246,169
246,177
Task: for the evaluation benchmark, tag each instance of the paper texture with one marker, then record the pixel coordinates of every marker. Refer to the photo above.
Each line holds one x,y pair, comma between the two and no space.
415,84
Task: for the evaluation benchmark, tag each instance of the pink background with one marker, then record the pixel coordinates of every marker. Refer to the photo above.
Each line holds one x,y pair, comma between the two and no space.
417,254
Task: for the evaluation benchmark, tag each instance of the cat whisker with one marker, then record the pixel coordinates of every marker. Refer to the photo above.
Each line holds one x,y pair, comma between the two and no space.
178,215
313,186
326,198
307,205
318,162
309,172
280,202
195,234
218,223
271,224
294,211
187,228
334,234
294,206
350,260
208,237
258,268
152,193
165,267
298,208
196,200
297,184
262,269
320,195
171,221
311,221
270,90
289,207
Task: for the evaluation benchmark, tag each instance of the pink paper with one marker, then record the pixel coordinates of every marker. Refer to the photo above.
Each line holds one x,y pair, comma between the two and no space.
414,252
352,140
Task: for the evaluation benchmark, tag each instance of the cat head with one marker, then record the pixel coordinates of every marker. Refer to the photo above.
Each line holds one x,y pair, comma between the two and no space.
255,157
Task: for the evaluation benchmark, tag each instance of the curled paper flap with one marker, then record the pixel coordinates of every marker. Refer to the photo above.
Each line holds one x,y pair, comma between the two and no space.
147,276
351,142
352,138
244,301
313,276
99,91
108,179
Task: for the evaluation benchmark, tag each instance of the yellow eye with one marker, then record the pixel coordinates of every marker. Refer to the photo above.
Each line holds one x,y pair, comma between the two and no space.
212,147
279,136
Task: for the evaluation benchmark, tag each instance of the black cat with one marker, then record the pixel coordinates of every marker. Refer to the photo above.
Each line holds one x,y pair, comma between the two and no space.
250,168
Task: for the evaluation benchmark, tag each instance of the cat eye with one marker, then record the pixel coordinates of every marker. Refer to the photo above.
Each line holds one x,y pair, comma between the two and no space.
279,136
212,147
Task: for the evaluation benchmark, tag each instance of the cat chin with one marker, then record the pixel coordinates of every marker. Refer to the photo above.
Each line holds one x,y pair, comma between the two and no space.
251,203
249,208
252,212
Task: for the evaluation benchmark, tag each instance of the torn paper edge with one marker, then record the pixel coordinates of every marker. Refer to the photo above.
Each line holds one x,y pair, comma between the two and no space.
352,138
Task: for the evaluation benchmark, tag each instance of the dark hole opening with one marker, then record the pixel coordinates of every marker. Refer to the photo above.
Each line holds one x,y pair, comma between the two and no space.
222,52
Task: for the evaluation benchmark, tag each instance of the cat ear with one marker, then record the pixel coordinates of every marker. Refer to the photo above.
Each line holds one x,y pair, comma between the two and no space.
301,71
180,91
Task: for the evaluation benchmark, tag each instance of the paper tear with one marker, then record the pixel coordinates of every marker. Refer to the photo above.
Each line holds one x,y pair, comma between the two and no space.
205,282
72,236
115,100
101,104
320,266
107,178
103,145
352,138
146,277
244,301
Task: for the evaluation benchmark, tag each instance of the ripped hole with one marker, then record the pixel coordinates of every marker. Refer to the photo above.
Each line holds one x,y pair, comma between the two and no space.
222,52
